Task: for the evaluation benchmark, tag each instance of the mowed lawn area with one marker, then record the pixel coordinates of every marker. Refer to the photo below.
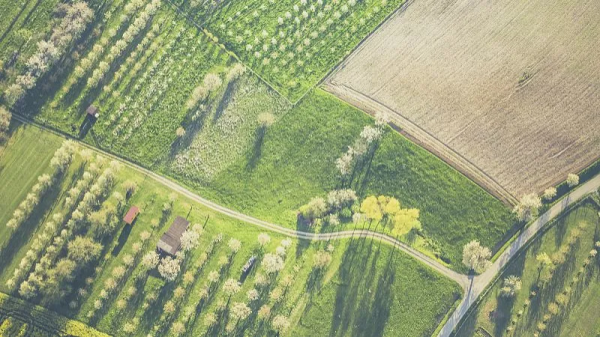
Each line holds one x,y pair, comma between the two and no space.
298,291
576,279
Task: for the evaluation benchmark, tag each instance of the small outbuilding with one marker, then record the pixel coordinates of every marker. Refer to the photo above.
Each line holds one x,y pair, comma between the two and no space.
170,242
131,215
248,266
92,112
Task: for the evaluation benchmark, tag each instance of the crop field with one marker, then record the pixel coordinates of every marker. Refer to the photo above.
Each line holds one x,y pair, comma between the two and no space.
558,298
114,291
294,43
510,88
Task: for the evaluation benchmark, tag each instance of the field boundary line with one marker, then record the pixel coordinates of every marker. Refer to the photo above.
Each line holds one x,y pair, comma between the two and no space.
423,138
360,44
204,29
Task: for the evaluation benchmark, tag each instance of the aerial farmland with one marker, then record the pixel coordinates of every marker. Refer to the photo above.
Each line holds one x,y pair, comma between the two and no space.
299,168
511,87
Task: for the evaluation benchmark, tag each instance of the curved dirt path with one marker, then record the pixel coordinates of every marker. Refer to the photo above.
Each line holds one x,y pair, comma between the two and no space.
472,285
461,279
479,283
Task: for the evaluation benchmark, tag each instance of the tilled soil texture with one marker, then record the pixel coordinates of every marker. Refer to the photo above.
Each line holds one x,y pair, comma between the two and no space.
507,91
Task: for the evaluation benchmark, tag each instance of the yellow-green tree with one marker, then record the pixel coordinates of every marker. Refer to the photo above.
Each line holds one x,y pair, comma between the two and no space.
389,211
406,220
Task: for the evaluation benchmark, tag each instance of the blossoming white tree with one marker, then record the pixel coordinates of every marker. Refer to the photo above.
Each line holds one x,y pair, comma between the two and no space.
169,268
476,257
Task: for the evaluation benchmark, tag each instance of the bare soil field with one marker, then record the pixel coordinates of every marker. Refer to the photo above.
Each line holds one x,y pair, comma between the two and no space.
508,91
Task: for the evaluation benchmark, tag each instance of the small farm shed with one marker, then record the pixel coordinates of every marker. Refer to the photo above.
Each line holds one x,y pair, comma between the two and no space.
131,215
248,266
170,242
92,112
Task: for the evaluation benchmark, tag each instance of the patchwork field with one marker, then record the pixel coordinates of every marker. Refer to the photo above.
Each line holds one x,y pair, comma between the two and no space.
293,44
559,281
115,291
507,91
172,100
295,161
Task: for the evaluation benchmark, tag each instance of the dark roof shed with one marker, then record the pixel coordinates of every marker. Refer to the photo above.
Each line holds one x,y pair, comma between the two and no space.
170,242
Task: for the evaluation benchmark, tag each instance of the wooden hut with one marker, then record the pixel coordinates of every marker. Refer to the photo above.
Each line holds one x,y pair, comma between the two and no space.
131,215
170,242
92,112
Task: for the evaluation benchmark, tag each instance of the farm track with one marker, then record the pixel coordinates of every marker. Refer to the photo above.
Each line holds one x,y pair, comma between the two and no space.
472,285
462,280
420,136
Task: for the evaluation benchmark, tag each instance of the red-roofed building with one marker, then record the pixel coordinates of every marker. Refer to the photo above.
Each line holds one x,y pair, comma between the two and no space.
131,215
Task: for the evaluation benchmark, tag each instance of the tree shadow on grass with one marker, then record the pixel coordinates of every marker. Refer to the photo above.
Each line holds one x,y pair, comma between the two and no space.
256,151
22,234
304,226
363,298
122,240
226,98
15,19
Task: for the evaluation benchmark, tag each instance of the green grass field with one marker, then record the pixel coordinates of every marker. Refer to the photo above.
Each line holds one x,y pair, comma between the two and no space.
389,289
30,151
495,313
583,321
295,161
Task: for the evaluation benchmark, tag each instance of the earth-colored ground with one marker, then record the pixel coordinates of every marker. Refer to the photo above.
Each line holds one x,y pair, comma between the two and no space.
510,88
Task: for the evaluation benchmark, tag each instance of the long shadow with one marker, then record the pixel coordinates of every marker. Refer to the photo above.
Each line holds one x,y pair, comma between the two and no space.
40,94
362,182
255,153
378,313
302,225
37,4
24,232
225,100
14,20
354,280
122,240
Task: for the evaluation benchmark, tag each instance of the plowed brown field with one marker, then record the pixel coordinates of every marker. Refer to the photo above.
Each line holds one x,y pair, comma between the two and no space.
506,90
